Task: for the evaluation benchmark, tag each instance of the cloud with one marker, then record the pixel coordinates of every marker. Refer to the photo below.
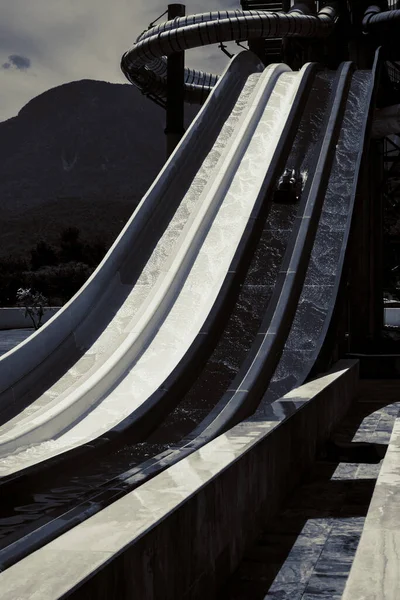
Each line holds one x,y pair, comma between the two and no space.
19,62
79,39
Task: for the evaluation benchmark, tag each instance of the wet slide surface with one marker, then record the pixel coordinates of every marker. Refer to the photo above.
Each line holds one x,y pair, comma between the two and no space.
172,297
127,457
126,463
319,292
263,139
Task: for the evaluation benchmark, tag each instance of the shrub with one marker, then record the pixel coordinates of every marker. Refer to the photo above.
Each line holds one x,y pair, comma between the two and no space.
34,303
59,282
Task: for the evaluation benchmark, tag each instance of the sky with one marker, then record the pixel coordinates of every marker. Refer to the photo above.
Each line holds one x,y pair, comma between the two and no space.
45,43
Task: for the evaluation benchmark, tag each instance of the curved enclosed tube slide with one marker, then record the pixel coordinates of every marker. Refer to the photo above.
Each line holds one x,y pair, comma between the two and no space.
378,22
169,319
145,65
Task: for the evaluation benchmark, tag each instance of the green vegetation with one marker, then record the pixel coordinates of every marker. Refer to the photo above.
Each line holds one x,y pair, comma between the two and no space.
55,272
34,303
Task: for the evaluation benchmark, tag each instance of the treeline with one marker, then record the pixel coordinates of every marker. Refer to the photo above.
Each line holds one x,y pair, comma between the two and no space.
57,271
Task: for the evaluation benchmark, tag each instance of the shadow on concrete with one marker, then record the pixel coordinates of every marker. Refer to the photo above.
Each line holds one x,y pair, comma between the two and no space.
307,551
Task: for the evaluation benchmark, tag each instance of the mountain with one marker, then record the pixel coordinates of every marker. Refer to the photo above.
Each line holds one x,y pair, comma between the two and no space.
81,154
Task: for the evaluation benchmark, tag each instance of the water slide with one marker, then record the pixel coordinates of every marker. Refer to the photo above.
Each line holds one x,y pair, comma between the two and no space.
156,316
279,321
119,350
299,285
153,311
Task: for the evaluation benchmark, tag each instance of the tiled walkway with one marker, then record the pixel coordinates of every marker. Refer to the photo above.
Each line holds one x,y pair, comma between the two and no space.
306,554
11,337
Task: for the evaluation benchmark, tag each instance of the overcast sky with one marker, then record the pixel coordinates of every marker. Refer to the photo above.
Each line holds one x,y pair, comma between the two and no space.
44,43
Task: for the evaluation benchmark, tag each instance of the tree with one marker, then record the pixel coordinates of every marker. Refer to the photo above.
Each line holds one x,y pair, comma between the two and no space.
34,303
43,255
94,252
11,278
71,247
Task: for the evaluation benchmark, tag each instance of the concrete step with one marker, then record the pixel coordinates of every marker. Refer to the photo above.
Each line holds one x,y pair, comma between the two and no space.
308,550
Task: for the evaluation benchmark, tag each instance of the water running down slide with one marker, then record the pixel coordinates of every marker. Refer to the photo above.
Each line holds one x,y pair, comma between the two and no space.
124,370
350,97
350,115
63,379
59,382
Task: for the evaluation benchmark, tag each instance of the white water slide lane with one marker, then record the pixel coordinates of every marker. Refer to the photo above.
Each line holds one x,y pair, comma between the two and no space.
167,306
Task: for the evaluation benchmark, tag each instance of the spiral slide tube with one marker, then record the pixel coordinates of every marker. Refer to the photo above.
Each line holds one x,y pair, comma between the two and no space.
378,22
144,64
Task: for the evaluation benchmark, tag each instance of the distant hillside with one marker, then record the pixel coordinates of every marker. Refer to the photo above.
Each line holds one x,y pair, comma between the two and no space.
82,154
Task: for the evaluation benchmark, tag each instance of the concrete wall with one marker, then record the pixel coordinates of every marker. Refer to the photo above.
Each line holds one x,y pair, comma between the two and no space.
191,554
375,573
181,534
14,318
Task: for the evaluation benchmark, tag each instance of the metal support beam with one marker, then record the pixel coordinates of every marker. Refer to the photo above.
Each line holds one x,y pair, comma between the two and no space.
174,128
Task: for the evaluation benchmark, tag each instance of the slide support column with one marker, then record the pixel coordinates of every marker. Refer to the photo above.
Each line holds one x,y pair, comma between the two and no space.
174,128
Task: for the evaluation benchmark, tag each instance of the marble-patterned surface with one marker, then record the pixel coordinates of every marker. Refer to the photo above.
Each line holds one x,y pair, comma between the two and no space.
308,551
375,574
154,342
318,295
228,360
